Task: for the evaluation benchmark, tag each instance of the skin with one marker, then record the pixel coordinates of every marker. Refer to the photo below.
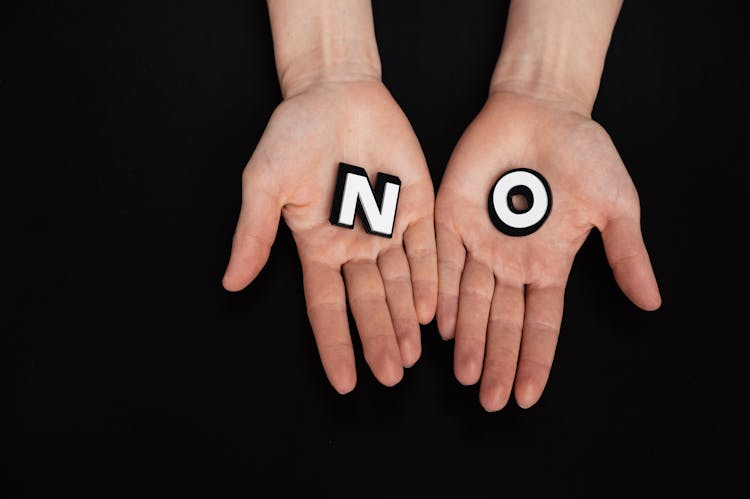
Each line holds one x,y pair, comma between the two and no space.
501,297
335,109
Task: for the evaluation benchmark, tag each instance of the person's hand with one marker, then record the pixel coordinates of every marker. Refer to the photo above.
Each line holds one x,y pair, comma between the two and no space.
502,296
391,284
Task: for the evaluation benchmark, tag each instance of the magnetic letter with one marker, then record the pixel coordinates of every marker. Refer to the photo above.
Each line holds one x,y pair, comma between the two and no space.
353,194
529,184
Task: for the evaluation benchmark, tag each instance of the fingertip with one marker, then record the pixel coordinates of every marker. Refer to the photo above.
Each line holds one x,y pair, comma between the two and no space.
630,263
238,277
425,300
493,399
446,335
492,406
446,329
639,285
651,302
226,283
340,370
244,266
344,382
468,371
385,364
447,308
426,307
409,363
653,297
409,341
410,351
656,304
230,283
527,392
390,374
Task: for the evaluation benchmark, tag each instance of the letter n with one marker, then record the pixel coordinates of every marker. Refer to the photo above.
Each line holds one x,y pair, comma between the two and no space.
354,194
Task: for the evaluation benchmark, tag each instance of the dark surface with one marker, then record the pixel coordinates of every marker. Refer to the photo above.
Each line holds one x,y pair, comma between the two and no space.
125,128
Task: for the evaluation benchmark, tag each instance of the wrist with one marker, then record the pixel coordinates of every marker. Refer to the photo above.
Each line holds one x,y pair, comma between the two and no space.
545,80
333,60
322,41
556,50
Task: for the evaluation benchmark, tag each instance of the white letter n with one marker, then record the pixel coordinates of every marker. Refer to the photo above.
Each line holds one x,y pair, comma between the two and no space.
353,194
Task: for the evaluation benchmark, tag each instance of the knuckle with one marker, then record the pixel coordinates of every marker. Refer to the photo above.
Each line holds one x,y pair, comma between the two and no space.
476,293
540,365
548,328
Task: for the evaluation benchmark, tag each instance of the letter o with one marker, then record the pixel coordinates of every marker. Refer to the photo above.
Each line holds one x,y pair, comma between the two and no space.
534,188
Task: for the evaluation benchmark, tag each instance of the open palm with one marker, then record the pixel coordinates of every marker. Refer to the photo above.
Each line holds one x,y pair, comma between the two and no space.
501,297
391,283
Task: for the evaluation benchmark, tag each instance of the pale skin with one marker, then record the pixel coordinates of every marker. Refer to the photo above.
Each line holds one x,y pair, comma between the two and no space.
336,109
501,297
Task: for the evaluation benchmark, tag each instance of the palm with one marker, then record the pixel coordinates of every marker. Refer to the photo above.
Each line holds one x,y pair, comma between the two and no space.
501,296
390,282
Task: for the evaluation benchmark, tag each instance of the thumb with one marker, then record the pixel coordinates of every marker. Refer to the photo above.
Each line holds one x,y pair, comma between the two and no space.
256,229
628,258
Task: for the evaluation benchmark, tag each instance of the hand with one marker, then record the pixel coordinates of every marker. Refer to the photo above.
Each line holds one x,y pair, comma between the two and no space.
502,296
391,283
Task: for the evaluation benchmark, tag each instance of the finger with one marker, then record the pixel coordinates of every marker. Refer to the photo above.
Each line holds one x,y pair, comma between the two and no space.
541,327
503,343
326,308
255,232
394,268
419,240
474,301
628,258
367,300
451,258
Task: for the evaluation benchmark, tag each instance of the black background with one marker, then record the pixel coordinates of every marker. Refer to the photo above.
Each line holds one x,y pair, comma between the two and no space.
125,128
